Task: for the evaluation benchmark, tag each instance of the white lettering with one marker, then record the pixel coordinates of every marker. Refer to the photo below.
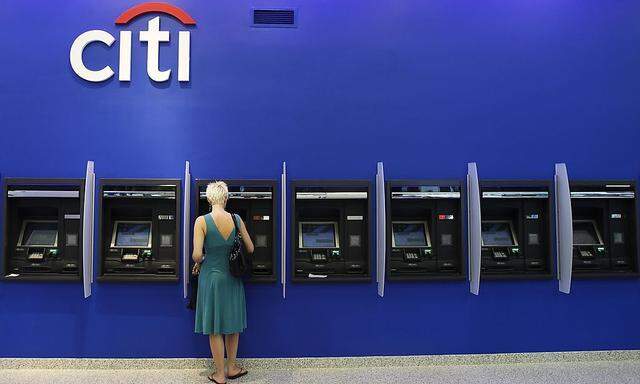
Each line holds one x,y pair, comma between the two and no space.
77,48
184,54
124,67
154,36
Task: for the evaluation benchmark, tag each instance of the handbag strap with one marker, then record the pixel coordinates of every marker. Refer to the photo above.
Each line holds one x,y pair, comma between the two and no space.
235,223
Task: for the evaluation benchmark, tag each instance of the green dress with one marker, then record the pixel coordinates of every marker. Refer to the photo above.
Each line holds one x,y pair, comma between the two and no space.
220,308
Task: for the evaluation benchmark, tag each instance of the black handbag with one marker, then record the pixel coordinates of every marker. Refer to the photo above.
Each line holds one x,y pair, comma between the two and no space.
239,262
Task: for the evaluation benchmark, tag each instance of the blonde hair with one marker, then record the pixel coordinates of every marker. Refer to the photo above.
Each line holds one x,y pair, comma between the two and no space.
217,193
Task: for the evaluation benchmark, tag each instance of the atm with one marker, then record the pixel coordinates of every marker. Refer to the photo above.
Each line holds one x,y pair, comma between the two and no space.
254,201
424,229
139,229
330,230
604,228
42,229
516,229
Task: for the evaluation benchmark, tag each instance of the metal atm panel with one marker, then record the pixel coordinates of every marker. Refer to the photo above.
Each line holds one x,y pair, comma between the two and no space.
424,230
330,227
254,201
139,229
516,229
604,228
43,229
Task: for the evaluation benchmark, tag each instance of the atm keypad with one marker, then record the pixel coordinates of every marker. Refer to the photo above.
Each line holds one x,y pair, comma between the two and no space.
499,255
586,254
129,257
35,256
317,256
411,256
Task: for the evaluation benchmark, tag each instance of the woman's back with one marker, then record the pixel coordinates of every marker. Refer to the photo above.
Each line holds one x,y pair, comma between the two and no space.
218,240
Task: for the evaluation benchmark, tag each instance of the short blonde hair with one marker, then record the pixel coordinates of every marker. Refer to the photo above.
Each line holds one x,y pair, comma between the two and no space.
217,193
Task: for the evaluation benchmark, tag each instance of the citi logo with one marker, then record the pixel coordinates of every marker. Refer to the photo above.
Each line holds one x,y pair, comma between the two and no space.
153,36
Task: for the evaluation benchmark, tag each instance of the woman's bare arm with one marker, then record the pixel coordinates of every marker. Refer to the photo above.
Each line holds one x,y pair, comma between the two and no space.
248,244
199,231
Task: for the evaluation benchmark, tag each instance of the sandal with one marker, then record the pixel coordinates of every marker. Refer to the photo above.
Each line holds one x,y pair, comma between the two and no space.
238,375
210,377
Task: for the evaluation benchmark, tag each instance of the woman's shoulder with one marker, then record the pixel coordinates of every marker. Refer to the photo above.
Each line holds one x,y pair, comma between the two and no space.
201,220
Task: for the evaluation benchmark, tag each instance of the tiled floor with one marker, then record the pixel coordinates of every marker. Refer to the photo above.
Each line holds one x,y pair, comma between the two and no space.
546,373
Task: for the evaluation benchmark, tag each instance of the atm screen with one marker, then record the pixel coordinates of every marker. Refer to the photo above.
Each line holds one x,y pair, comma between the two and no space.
318,235
40,234
497,234
132,234
585,233
409,234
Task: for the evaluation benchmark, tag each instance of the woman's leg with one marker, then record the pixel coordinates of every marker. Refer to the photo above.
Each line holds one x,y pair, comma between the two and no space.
231,343
216,342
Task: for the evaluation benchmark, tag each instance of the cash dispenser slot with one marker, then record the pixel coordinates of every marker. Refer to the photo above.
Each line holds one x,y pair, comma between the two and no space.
253,201
139,229
42,229
515,229
331,231
604,228
424,230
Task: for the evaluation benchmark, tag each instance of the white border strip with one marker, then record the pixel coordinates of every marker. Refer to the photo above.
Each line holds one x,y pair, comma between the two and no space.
328,362
43,193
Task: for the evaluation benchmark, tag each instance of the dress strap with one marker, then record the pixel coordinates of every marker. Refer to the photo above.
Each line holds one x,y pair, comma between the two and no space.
208,221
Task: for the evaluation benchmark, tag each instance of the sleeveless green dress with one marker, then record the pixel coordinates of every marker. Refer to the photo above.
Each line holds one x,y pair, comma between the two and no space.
220,308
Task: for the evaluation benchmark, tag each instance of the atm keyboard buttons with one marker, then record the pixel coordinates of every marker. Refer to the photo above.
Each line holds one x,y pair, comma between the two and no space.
318,257
411,256
499,255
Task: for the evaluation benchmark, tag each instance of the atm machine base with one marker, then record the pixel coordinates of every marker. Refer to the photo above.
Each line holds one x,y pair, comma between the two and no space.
35,210
254,201
423,230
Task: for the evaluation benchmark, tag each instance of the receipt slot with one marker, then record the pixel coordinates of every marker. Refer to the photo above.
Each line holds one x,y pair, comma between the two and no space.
604,228
330,227
516,229
43,236
424,230
254,202
139,232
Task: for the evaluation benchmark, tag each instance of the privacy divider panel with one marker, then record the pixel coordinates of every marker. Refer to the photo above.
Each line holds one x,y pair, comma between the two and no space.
564,228
186,230
88,229
283,230
381,228
474,228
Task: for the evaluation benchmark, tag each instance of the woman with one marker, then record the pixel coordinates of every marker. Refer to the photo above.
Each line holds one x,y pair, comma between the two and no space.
220,308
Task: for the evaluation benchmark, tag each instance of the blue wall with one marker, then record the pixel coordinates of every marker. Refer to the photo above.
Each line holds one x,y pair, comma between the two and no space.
426,86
